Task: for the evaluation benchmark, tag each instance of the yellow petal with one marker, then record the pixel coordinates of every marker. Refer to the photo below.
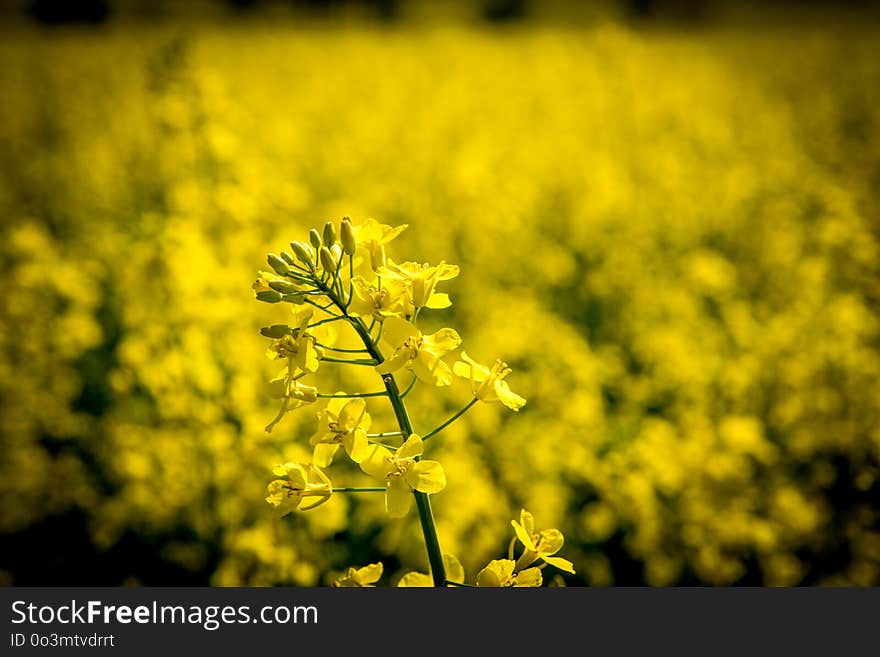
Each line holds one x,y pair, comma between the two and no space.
356,445
395,331
496,573
426,477
563,564
453,567
529,577
323,454
411,448
397,360
524,537
442,341
376,463
398,497
370,574
430,369
413,580
550,541
438,300
507,397
316,475
528,521
351,414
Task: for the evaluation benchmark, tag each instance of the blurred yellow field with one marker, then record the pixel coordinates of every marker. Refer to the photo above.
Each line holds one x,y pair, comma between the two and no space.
671,236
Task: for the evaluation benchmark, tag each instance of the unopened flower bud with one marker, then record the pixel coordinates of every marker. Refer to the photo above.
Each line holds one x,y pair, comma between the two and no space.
287,258
346,236
269,296
284,287
315,239
275,331
327,260
329,234
277,264
303,252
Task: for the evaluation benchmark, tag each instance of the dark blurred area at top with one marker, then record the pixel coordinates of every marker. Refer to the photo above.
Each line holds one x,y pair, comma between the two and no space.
64,12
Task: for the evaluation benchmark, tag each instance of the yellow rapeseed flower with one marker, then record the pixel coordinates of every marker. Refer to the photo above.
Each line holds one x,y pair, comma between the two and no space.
302,480
487,384
539,545
452,566
378,301
372,237
420,281
344,422
365,577
501,572
403,473
420,354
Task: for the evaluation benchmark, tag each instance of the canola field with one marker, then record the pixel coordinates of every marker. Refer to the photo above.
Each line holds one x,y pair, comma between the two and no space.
671,235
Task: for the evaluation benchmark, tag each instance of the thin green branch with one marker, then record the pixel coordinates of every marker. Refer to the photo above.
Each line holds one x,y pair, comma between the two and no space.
353,395
409,387
340,349
335,318
451,419
349,361
360,489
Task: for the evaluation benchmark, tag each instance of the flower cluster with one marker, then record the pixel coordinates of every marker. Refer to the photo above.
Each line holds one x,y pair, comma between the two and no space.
536,546
343,277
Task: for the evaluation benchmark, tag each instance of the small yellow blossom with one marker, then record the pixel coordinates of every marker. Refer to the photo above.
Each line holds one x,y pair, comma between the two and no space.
365,577
420,281
539,545
378,301
500,572
403,473
373,236
302,480
344,422
487,384
452,566
420,354
293,392
298,346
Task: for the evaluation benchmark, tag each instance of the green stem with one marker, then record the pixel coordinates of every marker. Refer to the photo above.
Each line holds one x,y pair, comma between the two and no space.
353,395
324,308
409,387
360,489
349,361
340,349
325,321
423,502
450,420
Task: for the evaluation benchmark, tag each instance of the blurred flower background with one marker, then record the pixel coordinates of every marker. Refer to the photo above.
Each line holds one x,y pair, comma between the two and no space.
667,220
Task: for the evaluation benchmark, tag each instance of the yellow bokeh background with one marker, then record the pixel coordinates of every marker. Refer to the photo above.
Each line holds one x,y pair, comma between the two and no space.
670,233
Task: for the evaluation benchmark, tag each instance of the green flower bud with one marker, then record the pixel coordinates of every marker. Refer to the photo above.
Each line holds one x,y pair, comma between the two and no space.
303,253
294,298
277,264
346,236
276,331
284,287
315,239
329,234
269,296
287,258
327,260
